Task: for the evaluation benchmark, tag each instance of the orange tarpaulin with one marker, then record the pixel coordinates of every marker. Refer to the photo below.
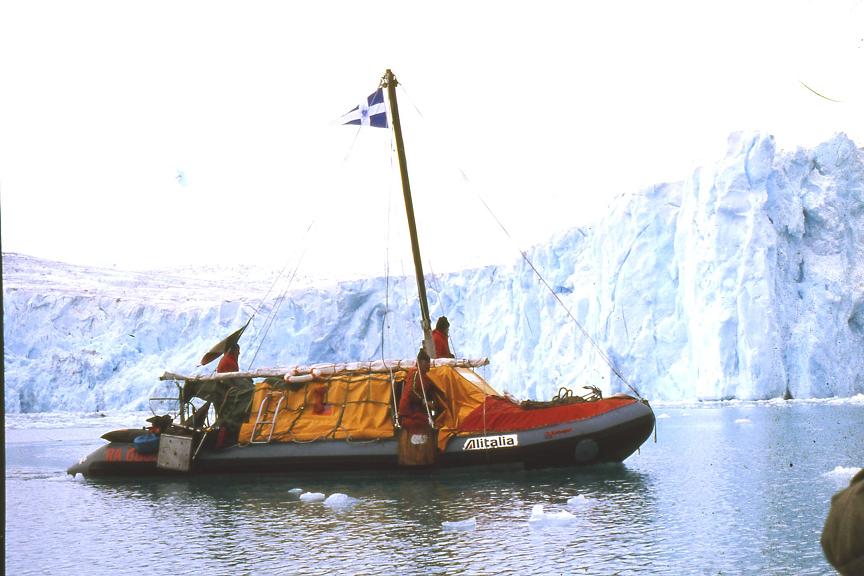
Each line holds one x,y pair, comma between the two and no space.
462,391
343,407
356,406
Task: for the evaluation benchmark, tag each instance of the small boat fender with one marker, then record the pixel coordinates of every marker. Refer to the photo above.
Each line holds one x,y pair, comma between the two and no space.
147,443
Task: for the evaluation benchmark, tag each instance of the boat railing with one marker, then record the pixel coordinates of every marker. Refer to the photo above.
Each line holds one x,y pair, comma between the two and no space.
172,410
185,417
167,402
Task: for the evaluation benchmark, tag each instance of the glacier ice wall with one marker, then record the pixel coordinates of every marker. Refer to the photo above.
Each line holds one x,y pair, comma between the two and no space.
745,281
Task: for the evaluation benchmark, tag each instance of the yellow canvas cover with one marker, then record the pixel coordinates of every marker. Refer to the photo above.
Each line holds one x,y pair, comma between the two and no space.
463,391
348,407
355,406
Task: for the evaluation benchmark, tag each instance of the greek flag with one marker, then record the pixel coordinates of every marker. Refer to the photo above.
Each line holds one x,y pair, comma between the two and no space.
372,112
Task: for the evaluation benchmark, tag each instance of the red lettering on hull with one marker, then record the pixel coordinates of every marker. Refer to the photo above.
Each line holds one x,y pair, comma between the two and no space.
129,454
132,455
560,431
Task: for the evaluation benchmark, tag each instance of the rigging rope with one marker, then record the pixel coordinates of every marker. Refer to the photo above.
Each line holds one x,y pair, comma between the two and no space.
418,375
537,273
271,317
385,321
436,287
384,327
527,260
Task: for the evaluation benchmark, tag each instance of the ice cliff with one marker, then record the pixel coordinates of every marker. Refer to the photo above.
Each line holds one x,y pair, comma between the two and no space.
745,281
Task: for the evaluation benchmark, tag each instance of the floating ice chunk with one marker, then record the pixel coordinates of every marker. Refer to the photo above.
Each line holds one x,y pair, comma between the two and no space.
339,500
295,491
837,401
536,513
578,501
743,421
311,497
843,472
663,416
467,525
539,517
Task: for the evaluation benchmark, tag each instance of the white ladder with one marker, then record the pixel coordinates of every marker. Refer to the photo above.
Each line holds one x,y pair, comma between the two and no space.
257,429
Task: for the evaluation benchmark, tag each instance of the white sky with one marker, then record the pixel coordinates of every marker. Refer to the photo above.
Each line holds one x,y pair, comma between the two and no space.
552,109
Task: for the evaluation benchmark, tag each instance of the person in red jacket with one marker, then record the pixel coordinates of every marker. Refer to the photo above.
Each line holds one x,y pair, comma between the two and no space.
417,392
439,337
230,361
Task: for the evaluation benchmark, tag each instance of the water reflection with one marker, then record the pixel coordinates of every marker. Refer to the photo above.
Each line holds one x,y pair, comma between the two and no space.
740,489
396,523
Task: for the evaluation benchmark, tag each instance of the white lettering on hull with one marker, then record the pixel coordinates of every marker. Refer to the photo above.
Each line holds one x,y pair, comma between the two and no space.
492,442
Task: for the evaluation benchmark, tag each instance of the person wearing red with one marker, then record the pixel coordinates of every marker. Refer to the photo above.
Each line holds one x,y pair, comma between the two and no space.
230,361
439,338
416,393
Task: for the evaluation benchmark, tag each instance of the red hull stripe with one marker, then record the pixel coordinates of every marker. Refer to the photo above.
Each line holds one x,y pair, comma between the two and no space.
502,415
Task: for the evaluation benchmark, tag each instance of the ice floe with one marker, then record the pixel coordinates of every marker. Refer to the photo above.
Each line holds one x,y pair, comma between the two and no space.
579,501
337,500
461,525
311,497
541,518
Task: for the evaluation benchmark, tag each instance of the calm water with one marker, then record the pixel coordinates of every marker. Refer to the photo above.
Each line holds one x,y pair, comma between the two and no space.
739,489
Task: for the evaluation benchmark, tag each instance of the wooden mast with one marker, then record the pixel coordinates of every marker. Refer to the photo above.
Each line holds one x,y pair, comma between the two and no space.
389,82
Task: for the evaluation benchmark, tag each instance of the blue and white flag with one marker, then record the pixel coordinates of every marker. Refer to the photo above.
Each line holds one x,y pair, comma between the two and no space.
373,112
